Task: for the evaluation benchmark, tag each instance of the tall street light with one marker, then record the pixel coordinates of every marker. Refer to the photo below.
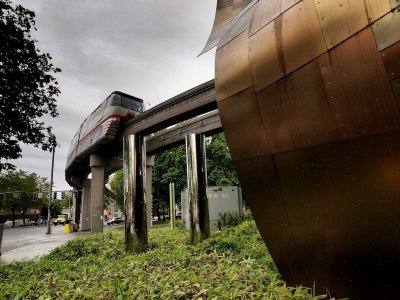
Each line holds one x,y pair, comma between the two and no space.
50,191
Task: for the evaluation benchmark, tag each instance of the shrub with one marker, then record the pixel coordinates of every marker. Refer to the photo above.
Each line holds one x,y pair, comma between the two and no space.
232,264
231,219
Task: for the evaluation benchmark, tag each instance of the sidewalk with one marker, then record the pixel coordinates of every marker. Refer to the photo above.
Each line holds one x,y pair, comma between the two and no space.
25,243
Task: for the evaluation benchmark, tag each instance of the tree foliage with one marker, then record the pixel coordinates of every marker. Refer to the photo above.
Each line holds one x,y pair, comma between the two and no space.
27,86
170,166
220,168
18,190
117,187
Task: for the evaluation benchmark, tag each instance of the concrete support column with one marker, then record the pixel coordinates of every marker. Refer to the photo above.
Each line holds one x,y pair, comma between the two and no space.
149,187
85,223
77,202
97,165
134,153
197,187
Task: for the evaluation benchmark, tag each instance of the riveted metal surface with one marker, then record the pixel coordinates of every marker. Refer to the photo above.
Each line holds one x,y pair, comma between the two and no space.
286,4
266,61
223,4
226,11
243,125
309,115
342,205
321,146
395,83
305,213
358,90
376,9
267,11
215,35
258,177
232,70
239,25
301,35
394,3
391,60
275,118
340,19
386,30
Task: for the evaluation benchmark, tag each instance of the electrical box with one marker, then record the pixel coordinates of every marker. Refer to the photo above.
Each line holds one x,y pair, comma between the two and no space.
221,199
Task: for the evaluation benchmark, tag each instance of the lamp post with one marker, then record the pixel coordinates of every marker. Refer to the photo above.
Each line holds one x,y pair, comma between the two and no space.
50,192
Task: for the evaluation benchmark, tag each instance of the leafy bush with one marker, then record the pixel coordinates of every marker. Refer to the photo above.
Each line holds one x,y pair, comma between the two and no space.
232,264
231,219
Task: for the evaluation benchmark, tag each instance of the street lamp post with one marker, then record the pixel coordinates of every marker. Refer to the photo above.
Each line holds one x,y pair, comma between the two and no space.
50,192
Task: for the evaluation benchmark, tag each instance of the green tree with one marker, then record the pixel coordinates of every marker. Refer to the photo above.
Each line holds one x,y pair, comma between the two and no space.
27,86
19,190
169,166
220,168
117,187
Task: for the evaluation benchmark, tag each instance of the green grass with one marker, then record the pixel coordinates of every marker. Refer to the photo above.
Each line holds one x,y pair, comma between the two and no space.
233,264
162,223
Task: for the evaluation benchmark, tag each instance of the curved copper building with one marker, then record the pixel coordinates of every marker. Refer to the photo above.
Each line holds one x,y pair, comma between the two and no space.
309,97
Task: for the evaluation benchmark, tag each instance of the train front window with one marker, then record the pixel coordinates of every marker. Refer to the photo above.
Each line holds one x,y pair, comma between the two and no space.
132,104
114,100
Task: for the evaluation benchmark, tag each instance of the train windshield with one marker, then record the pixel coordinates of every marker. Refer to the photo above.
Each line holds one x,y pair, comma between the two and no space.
132,104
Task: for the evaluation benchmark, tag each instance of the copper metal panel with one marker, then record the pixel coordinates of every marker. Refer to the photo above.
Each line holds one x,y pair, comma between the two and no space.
266,12
391,60
376,9
275,118
215,35
301,35
309,115
395,83
340,19
243,126
263,195
225,12
232,70
266,63
342,203
296,111
306,216
359,92
394,3
386,30
286,4
238,25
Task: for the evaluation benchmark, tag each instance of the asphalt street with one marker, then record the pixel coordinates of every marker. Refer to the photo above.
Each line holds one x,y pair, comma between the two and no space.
28,242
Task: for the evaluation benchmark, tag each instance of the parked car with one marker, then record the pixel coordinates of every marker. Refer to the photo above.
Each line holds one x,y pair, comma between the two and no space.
115,221
9,223
28,222
61,219
18,222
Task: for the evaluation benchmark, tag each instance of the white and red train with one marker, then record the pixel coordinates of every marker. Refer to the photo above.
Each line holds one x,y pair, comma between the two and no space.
102,125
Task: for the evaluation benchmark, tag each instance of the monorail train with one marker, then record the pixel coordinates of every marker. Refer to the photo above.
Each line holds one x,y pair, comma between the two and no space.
102,125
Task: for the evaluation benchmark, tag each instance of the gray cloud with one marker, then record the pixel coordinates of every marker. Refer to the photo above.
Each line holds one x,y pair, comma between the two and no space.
146,48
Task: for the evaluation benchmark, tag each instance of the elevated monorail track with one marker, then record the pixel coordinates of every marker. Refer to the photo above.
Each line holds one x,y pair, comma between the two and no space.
193,111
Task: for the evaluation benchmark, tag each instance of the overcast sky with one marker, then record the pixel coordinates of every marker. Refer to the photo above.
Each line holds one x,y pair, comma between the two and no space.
146,48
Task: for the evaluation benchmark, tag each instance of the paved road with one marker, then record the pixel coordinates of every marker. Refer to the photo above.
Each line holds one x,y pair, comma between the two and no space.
31,241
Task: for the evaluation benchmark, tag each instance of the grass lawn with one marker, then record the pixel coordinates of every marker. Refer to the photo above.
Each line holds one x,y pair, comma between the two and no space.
233,264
